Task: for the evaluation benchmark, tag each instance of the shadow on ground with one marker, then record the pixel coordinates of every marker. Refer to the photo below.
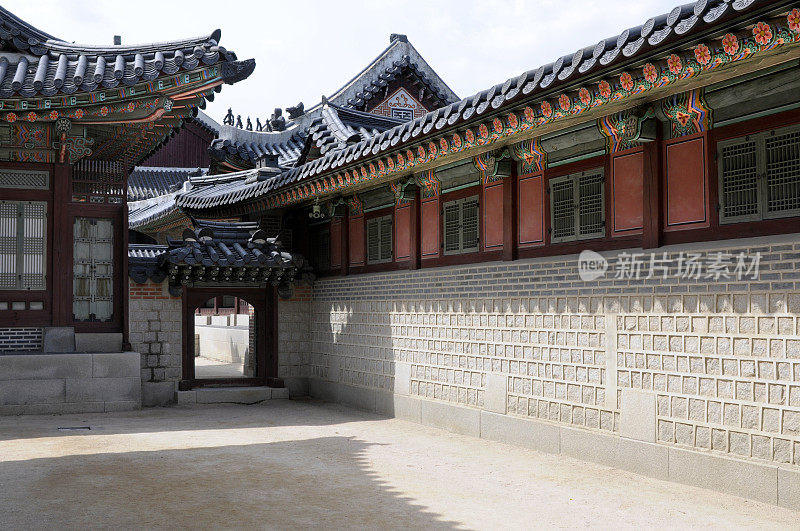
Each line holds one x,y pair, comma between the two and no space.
258,485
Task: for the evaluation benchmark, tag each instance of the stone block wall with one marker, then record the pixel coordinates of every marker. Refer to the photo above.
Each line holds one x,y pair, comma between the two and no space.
294,347
700,363
155,328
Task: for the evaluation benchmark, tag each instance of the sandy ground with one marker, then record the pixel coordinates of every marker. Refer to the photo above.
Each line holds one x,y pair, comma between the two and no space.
304,464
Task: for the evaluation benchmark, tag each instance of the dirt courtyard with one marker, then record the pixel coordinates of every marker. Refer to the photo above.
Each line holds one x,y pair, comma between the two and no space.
306,464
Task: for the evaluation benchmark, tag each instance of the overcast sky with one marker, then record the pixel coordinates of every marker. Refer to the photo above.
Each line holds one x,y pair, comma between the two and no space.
305,49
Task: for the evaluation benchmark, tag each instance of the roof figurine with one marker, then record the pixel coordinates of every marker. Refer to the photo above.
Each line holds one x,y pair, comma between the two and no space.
277,122
296,111
228,120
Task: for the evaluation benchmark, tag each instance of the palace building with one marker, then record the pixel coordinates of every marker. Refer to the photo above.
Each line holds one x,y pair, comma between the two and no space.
597,257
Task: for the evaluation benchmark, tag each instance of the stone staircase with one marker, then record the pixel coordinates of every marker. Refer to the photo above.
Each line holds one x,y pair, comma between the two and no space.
74,373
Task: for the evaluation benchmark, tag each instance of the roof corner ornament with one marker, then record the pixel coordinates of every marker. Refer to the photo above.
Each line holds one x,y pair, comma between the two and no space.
296,111
228,120
277,122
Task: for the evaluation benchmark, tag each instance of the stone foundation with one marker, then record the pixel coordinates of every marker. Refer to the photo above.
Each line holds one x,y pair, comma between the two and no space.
69,383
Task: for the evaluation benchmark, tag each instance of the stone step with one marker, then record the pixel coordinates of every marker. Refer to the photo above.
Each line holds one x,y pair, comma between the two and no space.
98,342
229,395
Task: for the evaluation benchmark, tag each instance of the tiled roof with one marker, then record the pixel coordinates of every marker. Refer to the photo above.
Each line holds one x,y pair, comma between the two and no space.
251,146
680,27
155,212
337,127
225,251
149,182
47,65
144,262
394,60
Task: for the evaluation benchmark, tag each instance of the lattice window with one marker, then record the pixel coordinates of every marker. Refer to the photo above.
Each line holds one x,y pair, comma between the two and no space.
577,206
379,240
759,176
739,181
23,245
461,225
98,181
25,179
783,174
93,269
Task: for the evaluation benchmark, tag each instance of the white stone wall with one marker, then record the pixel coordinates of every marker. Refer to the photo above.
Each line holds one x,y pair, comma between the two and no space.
689,363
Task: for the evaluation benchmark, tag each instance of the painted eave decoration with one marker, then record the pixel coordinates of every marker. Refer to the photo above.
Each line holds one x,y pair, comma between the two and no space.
663,57
122,101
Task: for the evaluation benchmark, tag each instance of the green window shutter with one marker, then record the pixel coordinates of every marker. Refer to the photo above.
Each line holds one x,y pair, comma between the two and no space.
738,168
562,209
469,224
452,227
782,187
373,240
591,210
386,238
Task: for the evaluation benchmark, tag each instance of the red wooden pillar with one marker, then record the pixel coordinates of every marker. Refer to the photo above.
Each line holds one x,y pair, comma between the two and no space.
430,190
509,208
62,246
651,236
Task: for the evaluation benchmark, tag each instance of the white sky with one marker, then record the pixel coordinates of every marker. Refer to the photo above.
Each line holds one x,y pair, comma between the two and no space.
304,49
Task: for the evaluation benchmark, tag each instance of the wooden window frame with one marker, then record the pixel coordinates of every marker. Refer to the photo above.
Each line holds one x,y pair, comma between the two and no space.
461,201
29,317
575,179
378,221
761,189
20,237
